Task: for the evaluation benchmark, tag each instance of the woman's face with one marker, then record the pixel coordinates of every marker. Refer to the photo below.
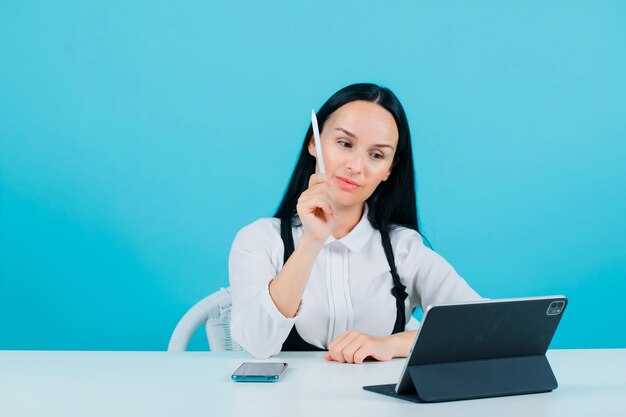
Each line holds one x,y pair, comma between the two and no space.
359,142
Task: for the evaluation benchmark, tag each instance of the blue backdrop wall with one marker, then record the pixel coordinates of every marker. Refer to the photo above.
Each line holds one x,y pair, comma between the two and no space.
137,137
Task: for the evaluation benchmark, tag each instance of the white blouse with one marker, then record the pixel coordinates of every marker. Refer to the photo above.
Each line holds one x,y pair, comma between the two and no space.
349,287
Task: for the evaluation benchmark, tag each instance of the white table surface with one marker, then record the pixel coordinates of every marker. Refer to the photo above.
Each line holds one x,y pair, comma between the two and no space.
77,383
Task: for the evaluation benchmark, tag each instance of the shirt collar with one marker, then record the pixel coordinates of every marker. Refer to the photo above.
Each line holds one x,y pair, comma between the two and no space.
358,237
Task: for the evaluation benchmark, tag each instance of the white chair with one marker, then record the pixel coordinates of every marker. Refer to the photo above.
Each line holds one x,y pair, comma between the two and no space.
214,312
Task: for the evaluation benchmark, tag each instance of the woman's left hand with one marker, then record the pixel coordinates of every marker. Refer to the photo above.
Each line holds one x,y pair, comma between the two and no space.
355,347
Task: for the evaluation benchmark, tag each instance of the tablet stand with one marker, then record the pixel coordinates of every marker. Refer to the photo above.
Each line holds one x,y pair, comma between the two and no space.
482,378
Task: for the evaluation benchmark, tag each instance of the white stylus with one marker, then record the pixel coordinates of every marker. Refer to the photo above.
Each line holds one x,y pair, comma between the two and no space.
318,143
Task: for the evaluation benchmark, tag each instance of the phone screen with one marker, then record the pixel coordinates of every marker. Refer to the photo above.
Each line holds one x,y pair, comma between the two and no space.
268,371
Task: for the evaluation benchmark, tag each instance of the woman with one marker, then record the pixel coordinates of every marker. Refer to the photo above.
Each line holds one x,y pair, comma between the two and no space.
342,265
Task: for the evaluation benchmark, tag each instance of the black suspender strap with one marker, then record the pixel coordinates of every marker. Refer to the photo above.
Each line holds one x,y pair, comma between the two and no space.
294,341
285,234
398,290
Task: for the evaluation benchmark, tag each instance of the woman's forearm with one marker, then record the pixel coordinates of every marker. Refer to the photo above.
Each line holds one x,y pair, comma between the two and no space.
287,287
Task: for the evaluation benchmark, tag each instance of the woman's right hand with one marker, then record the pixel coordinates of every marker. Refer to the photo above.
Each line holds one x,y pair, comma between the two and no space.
316,209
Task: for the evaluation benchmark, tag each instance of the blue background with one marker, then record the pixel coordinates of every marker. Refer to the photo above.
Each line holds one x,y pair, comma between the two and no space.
137,137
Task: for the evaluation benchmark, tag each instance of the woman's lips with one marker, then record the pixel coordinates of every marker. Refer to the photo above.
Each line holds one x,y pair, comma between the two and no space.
346,184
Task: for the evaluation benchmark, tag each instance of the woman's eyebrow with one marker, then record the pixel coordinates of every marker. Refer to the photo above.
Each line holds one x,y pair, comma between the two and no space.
353,136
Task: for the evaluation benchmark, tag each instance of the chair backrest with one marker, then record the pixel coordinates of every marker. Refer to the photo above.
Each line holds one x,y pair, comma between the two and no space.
214,312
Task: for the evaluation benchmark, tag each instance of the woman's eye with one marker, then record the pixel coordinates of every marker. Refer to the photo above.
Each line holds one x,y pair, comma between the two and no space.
378,156
344,144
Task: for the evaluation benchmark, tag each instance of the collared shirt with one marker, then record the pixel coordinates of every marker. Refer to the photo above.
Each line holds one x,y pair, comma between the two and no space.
349,288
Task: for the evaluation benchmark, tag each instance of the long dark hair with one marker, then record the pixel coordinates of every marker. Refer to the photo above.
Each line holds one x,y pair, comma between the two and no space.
394,201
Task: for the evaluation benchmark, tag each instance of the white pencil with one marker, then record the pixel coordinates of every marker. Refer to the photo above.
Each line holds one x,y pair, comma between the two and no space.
318,143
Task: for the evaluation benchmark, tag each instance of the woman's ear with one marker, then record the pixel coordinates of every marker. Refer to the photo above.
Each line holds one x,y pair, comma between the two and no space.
311,147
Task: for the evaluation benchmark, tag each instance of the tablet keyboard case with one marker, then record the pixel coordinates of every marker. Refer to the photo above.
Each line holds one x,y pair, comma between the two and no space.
505,357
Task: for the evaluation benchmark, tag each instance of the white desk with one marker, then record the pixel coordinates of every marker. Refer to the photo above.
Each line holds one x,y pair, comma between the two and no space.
33,383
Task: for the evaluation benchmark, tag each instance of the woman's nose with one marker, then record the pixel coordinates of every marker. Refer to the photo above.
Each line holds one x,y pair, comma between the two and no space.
355,163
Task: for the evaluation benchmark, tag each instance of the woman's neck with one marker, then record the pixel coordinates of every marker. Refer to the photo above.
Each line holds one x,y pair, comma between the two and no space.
347,220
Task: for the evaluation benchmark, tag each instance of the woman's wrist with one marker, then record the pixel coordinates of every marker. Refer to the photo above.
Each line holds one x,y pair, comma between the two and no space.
401,343
310,245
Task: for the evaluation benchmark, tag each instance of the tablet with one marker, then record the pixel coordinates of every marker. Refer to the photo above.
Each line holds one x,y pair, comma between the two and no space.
480,349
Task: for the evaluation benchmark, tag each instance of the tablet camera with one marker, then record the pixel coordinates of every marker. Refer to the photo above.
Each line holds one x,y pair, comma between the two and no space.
555,308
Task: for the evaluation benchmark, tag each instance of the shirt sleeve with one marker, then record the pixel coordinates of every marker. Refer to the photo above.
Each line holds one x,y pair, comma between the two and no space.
255,259
430,279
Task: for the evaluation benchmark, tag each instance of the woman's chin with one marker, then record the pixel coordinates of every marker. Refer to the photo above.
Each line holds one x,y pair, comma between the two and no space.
346,204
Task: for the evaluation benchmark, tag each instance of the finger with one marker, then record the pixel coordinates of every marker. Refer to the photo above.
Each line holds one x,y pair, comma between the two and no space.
342,336
330,202
333,352
337,351
327,186
318,179
312,202
379,351
336,355
322,188
315,206
361,354
351,348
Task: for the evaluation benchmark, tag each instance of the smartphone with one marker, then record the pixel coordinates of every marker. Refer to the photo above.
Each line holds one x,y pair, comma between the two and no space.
259,372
